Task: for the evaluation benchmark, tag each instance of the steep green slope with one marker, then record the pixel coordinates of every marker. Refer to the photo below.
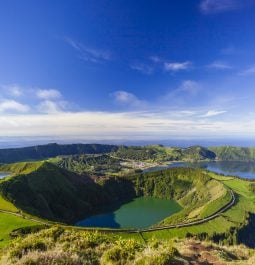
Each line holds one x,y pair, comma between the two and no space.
90,164
51,150
195,191
21,167
232,153
57,194
141,153
161,153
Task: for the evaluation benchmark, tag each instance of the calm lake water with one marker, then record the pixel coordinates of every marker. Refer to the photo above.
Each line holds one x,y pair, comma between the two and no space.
240,169
3,175
142,212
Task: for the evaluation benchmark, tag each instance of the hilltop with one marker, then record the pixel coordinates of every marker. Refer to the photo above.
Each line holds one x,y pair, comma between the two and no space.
70,247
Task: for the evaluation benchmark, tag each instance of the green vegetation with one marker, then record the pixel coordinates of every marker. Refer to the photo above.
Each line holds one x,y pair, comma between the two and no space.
69,247
147,153
41,152
57,194
8,223
230,227
160,153
21,168
60,195
62,190
90,164
231,153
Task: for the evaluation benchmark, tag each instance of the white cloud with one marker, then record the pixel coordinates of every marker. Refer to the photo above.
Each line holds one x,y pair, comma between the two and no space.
48,94
155,59
49,106
177,66
219,65
109,125
187,90
249,71
216,6
15,90
87,53
143,68
127,99
189,86
212,113
13,106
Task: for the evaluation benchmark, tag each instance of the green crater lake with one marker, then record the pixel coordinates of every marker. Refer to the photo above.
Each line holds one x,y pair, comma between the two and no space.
141,212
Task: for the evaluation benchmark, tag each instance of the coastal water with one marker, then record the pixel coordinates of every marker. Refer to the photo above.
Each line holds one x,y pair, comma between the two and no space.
3,175
228,168
141,212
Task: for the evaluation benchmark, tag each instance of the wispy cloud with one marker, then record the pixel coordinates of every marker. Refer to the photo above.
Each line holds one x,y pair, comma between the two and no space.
187,89
49,106
125,125
217,6
48,94
143,68
177,66
13,106
127,99
87,53
249,71
212,113
219,65
155,59
12,90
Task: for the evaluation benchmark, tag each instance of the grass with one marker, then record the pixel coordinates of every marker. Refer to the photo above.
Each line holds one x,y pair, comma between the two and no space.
8,223
214,196
6,205
234,217
71,247
21,167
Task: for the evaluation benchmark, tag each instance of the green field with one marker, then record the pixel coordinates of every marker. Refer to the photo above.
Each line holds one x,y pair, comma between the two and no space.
8,223
233,218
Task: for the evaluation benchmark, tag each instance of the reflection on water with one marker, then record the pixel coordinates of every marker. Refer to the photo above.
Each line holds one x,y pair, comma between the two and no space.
240,169
140,213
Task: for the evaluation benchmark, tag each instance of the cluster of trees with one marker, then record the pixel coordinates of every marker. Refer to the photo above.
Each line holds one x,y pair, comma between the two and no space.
96,164
57,194
231,153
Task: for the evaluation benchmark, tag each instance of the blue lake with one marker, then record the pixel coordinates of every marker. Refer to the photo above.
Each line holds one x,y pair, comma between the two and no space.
239,169
141,212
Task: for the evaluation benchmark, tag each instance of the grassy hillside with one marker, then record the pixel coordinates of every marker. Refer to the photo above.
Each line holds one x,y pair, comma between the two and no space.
195,191
231,153
139,153
95,165
41,152
8,223
57,194
21,167
161,153
69,247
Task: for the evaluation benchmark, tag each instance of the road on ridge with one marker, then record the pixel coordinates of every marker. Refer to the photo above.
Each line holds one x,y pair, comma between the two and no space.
200,221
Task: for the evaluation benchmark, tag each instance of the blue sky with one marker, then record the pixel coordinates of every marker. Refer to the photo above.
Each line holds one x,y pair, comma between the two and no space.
101,69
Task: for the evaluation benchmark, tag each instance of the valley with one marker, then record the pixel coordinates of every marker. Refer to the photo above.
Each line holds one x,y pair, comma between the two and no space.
105,192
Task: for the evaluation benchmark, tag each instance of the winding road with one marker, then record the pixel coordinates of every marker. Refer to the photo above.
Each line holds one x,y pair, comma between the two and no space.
197,222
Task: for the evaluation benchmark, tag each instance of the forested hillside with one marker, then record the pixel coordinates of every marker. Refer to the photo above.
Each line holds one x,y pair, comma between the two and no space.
45,190
139,153
232,153
51,150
